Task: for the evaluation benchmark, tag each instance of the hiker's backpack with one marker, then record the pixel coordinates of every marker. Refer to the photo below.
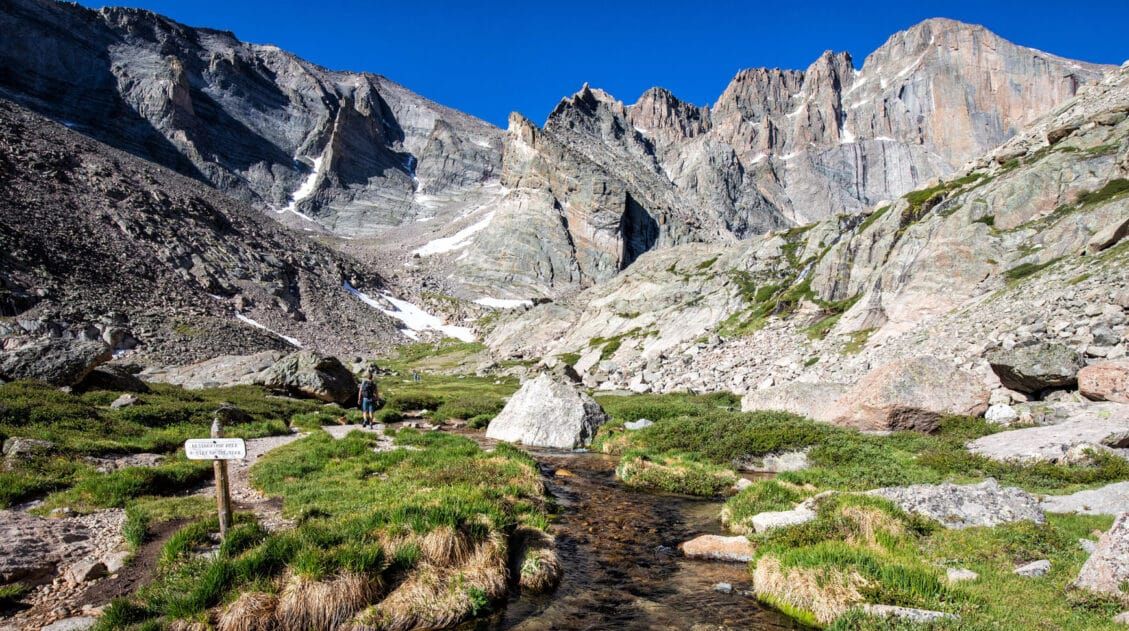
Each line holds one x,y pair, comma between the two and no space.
367,388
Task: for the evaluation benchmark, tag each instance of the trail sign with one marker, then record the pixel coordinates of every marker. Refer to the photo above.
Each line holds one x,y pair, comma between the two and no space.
219,450
215,449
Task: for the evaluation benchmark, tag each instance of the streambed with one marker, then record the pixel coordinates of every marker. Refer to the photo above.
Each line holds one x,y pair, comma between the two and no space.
622,568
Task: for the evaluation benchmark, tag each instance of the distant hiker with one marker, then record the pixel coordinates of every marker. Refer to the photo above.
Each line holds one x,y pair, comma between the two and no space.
415,376
366,398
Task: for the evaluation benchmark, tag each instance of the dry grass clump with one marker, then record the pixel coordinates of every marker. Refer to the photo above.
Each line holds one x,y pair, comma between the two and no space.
435,596
252,611
537,567
813,595
307,603
445,546
869,524
186,625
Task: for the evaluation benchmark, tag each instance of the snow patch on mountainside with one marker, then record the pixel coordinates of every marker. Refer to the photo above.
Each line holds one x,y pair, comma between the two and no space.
414,318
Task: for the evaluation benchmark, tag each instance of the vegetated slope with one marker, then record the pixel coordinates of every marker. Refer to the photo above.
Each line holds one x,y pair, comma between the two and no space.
1027,234
354,151
602,182
92,235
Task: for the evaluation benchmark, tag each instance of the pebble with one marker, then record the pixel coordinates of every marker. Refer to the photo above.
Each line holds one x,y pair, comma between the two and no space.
724,588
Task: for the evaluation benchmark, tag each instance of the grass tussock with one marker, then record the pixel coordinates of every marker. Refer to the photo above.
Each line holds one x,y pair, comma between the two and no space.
251,611
401,539
675,473
537,566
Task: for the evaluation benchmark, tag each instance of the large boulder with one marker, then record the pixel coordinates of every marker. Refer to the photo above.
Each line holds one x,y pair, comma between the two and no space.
311,375
548,413
816,401
1087,426
58,362
226,370
912,393
1105,381
1036,367
1107,569
114,378
965,505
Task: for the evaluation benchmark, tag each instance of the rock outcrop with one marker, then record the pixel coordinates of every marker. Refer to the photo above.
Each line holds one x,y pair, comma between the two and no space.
157,263
350,151
1088,428
818,401
965,506
548,413
58,362
311,375
911,394
1107,569
1105,381
1036,367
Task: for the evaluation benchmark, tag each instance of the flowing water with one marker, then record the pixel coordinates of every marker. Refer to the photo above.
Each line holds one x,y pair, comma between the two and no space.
622,568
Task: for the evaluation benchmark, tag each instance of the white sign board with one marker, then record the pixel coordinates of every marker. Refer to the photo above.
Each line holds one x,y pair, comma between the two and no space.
215,449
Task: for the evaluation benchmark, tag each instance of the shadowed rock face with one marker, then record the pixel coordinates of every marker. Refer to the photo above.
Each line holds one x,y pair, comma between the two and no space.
251,120
99,236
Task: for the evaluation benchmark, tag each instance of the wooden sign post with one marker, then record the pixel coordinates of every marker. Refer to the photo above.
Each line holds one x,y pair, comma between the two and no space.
219,450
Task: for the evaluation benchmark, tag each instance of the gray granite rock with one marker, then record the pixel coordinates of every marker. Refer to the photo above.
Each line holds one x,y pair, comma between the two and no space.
967,505
1034,568
1107,569
548,413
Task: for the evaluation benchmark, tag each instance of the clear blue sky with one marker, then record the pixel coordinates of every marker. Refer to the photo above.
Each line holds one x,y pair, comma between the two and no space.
489,58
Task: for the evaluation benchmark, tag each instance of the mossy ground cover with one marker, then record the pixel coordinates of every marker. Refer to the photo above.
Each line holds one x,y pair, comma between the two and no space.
82,425
431,518
860,548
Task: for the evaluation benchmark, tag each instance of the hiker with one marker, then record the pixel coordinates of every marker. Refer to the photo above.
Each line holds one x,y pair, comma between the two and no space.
366,398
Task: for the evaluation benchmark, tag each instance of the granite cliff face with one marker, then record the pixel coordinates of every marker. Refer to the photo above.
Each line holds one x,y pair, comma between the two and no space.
1025,244
353,152
780,148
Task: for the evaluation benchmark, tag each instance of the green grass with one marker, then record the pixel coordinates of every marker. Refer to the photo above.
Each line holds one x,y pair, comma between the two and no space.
84,425
446,396
874,216
1024,270
902,558
675,473
856,341
117,488
350,503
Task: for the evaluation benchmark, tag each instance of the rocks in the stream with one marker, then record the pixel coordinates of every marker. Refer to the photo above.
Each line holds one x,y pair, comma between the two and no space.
311,375
56,361
814,400
723,588
1036,367
1105,381
1034,568
114,378
911,394
916,616
1107,569
965,505
1087,427
549,413
718,548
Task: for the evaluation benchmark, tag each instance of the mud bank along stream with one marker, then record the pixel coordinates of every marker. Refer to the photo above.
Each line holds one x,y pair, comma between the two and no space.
622,567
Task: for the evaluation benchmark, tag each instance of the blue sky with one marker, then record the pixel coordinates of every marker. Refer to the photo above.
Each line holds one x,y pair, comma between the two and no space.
490,58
